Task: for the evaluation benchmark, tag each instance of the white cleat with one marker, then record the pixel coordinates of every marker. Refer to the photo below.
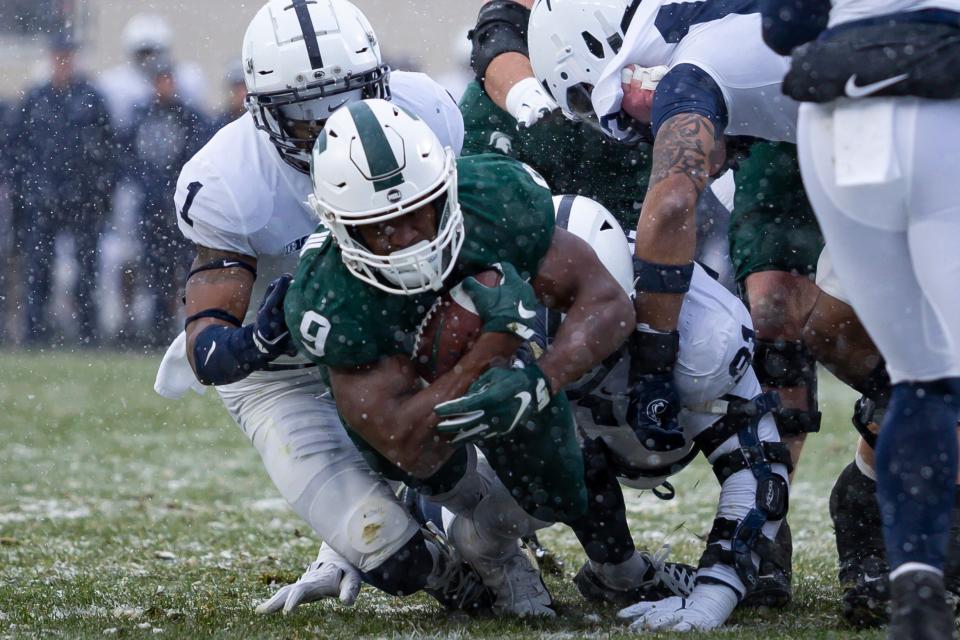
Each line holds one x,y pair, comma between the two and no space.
509,573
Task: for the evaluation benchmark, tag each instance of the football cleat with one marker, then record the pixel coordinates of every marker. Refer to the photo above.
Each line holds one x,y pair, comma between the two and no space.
863,565
919,609
866,591
775,576
661,580
517,586
457,586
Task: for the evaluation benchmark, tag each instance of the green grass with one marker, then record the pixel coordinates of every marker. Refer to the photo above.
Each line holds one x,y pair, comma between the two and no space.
124,514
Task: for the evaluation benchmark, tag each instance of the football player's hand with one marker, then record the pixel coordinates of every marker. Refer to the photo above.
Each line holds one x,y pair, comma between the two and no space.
529,102
638,85
708,607
653,410
270,329
495,404
510,307
329,577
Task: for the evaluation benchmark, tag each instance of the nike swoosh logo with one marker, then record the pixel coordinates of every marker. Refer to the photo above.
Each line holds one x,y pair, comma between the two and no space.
213,348
333,108
524,398
854,90
230,264
525,313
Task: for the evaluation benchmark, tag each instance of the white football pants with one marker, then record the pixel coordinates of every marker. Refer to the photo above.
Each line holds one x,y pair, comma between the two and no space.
883,176
293,423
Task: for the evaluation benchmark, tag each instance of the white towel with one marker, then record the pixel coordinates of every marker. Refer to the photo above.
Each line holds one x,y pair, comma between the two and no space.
175,376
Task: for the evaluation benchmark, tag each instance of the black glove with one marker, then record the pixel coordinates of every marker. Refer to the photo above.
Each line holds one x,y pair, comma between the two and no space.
270,333
654,402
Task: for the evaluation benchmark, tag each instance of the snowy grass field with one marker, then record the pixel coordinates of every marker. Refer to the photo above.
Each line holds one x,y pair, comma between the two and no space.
123,514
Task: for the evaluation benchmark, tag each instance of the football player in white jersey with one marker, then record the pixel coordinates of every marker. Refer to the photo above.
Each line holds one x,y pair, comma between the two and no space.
242,201
879,159
723,414
687,90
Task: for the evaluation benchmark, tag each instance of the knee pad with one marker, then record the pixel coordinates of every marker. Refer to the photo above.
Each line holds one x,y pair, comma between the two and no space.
771,502
783,363
780,363
865,412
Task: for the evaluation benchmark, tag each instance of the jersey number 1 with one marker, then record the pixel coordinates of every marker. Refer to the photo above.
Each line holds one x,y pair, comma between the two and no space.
192,189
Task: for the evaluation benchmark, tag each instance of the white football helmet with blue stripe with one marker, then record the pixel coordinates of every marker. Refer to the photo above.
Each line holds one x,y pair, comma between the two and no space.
302,60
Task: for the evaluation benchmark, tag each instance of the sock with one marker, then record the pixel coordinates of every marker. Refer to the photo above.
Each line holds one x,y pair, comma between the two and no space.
603,530
917,470
406,571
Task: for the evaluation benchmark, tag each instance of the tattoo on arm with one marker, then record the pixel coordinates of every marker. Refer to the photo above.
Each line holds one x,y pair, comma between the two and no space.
687,145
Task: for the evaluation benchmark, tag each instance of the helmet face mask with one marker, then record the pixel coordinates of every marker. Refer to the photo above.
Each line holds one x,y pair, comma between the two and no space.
349,194
274,112
302,60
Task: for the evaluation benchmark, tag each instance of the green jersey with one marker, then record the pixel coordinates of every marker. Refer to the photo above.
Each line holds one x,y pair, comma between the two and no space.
341,322
613,174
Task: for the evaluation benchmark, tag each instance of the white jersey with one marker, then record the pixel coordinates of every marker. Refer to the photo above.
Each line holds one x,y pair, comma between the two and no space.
849,10
724,39
237,194
716,349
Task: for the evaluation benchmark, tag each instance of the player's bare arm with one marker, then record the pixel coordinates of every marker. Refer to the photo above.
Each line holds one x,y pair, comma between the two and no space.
502,65
387,406
687,151
225,289
599,316
506,70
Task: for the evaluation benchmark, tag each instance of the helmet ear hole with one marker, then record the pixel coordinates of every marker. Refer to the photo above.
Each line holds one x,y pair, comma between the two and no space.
593,45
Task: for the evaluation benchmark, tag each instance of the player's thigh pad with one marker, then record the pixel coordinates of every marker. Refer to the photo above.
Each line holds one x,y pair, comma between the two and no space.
716,341
892,221
293,424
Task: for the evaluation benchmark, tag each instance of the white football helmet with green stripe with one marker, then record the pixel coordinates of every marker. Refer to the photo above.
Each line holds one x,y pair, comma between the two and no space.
374,162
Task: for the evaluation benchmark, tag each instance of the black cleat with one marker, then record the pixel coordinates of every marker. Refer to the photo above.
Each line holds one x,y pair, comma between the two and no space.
919,609
866,592
662,580
859,534
774,578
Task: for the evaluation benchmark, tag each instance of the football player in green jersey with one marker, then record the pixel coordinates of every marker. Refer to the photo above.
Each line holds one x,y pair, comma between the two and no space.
403,221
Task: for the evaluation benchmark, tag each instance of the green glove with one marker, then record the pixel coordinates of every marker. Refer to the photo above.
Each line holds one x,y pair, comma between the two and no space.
508,308
495,404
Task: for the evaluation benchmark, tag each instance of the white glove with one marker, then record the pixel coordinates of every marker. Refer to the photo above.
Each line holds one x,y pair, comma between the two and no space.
528,102
330,576
708,607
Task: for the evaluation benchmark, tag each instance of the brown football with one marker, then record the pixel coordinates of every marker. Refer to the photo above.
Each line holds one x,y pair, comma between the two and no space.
448,330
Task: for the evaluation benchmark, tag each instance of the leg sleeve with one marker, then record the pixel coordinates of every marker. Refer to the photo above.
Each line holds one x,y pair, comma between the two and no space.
313,463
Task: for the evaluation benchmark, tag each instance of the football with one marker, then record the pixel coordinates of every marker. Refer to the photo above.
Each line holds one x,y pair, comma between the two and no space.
448,329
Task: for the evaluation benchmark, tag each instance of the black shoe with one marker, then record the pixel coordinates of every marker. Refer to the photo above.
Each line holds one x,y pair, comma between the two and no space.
866,592
774,579
859,534
662,580
919,609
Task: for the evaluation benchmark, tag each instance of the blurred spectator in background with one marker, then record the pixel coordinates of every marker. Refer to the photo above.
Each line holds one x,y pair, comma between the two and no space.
8,226
236,94
164,134
127,87
65,150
